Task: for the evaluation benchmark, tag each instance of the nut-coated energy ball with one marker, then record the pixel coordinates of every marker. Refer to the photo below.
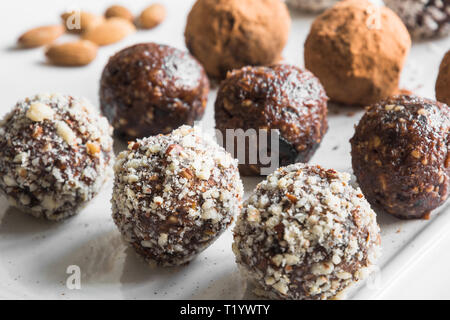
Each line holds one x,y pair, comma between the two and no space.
400,155
305,233
174,195
230,34
147,89
357,50
55,155
279,97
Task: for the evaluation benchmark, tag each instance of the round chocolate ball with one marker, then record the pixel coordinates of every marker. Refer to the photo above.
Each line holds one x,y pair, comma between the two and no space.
311,5
400,155
443,81
305,233
55,155
357,50
174,195
423,18
147,89
229,34
280,97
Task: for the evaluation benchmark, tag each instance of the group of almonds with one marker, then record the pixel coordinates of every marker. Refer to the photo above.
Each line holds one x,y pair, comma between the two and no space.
116,24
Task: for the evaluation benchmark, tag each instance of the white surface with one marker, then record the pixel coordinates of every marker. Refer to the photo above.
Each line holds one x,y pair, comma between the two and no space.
34,254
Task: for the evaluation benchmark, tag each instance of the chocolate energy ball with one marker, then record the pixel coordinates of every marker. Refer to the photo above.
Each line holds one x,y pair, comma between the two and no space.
311,5
279,97
424,18
357,50
147,89
400,155
305,233
229,34
174,195
55,155
443,80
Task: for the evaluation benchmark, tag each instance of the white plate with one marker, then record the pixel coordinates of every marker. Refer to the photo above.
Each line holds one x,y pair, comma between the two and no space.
35,254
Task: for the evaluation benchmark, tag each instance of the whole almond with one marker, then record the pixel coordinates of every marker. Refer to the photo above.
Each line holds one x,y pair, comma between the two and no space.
80,21
110,31
152,16
40,36
119,12
78,53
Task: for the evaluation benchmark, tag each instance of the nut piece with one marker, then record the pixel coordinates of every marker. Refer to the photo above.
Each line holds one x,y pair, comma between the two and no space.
119,12
39,112
399,154
152,16
110,31
78,53
80,21
65,132
40,36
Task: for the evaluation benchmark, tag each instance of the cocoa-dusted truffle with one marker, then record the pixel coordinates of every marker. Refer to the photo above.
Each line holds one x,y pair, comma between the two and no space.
357,50
174,195
443,81
311,5
423,18
229,34
305,233
281,97
400,155
147,89
55,155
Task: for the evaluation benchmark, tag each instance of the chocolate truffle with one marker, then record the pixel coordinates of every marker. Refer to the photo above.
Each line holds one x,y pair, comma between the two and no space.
400,155
279,97
443,81
174,195
230,34
305,233
311,5
147,89
423,18
357,50
55,155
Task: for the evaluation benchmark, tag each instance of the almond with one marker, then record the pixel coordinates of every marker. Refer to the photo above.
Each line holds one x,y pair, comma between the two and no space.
110,31
80,21
119,12
77,53
152,16
40,36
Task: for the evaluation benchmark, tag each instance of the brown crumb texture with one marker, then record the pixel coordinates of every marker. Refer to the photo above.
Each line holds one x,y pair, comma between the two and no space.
281,97
147,89
305,233
311,5
174,195
55,155
400,155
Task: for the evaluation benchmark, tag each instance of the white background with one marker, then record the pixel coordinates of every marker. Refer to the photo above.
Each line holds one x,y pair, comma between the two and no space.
33,254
